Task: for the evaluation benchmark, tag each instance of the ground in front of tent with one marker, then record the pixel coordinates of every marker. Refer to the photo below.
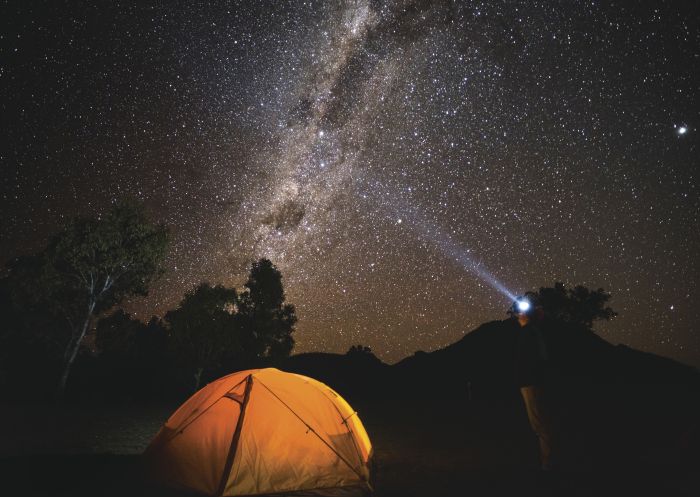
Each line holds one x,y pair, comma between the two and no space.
421,449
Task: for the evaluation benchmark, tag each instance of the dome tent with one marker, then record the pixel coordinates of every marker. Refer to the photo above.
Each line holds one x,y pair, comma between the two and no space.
260,432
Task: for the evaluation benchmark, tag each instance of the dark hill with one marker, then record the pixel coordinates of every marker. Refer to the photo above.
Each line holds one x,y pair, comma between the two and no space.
355,375
486,357
628,401
483,360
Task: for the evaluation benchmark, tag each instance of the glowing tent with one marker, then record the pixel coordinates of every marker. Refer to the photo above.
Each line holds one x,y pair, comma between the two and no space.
263,432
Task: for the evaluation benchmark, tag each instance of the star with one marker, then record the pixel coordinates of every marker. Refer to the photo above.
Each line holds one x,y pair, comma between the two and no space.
374,146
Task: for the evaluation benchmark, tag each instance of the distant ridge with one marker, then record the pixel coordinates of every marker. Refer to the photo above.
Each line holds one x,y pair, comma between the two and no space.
484,357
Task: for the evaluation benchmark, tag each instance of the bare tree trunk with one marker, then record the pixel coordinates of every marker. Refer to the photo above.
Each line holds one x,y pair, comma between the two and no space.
71,353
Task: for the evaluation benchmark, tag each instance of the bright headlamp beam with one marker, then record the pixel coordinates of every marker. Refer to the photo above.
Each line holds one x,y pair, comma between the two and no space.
410,216
523,305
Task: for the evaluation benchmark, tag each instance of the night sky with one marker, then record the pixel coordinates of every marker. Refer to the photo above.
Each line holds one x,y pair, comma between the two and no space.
405,164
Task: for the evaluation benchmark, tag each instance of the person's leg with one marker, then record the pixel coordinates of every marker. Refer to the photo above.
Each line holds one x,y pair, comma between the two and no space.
536,407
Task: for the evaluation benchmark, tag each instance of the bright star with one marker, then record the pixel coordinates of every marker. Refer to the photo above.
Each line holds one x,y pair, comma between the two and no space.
682,130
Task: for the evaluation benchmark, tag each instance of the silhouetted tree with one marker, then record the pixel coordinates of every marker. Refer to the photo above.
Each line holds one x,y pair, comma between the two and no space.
362,353
32,337
266,321
133,358
152,342
578,306
152,352
115,335
203,329
88,268
359,350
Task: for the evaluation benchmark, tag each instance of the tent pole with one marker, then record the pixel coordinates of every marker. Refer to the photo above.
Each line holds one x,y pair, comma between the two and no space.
236,437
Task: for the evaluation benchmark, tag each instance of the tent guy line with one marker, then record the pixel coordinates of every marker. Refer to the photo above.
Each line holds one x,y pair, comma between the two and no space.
310,428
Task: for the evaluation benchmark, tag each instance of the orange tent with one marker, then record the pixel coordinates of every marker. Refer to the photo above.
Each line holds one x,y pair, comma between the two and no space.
260,432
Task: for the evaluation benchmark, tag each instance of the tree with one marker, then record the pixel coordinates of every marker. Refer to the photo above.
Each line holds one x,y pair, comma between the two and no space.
32,338
578,306
89,267
203,329
133,359
267,322
215,328
116,335
152,344
362,354
359,350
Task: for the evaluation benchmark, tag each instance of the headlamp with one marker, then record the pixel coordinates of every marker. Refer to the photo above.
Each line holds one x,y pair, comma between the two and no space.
523,305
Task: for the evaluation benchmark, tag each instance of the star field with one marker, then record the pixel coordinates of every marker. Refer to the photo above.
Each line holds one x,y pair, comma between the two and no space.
398,161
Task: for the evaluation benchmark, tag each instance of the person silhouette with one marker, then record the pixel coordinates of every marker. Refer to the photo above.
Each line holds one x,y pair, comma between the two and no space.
531,367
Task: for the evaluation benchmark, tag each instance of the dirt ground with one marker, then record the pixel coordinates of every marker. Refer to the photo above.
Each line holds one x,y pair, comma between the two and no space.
471,449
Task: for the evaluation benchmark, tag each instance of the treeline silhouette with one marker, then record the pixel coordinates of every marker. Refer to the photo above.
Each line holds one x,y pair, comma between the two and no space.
215,330
64,332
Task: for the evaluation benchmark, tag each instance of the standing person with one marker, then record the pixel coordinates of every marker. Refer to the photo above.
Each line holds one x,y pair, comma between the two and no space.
531,366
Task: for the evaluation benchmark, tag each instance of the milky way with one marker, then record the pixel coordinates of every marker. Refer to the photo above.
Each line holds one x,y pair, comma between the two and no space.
405,164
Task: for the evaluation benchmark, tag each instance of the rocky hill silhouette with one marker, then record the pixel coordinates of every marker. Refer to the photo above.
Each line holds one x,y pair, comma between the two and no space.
632,403
484,358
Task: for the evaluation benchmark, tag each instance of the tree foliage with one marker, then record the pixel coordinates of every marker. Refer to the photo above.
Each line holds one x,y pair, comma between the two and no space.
268,322
116,335
359,350
51,299
203,329
579,306
87,268
32,340
132,359
362,354
216,329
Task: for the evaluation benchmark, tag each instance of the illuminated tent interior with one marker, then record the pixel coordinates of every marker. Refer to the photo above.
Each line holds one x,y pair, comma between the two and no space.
261,432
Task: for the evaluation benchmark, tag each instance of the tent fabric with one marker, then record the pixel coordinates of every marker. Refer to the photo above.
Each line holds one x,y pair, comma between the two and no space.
261,432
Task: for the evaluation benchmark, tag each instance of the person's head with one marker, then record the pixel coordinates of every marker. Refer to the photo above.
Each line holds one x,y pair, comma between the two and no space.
526,310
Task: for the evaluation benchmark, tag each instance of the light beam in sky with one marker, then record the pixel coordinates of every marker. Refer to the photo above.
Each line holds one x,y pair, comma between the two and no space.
411,215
